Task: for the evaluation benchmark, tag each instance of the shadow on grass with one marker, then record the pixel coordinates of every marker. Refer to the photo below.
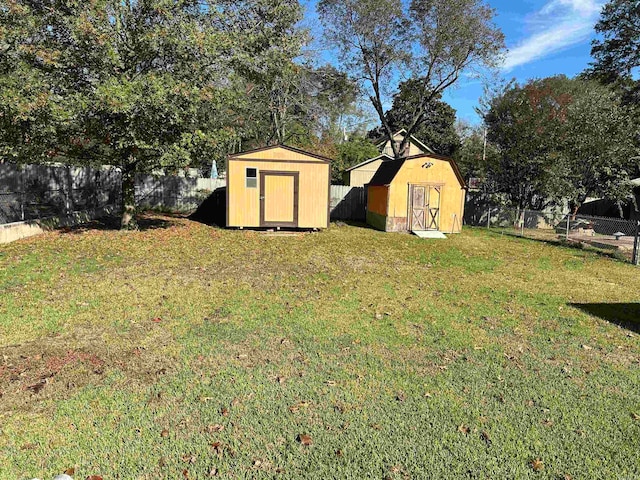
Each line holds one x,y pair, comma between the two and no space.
112,222
352,223
626,315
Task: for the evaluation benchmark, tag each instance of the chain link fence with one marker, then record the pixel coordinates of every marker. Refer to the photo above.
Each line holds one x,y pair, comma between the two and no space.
615,236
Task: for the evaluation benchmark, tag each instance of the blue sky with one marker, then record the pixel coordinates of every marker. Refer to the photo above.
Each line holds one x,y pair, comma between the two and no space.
544,38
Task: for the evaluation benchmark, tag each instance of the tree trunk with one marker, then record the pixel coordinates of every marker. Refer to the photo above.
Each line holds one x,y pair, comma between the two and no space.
128,200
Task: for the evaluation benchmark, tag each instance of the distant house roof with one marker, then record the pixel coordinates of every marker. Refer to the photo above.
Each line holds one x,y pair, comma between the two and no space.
413,139
383,156
388,170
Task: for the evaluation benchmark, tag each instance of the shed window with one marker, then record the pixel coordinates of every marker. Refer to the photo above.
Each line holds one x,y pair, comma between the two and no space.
252,178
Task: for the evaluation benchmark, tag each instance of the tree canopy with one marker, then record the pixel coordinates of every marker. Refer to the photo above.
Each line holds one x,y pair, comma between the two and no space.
561,139
617,52
437,131
140,84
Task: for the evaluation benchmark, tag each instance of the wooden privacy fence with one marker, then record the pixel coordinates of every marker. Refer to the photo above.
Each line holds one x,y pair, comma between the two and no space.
30,192
348,203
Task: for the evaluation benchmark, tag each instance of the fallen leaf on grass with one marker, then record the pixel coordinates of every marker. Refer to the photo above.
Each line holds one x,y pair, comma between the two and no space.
215,428
587,347
189,458
339,453
280,380
304,440
213,472
537,465
464,429
70,471
37,387
331,383
164,433
298,406
94,477
224,411
217,447
635,416
156,320
400,397
484,436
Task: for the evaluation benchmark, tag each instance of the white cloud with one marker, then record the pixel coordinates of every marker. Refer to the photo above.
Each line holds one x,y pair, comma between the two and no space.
558,25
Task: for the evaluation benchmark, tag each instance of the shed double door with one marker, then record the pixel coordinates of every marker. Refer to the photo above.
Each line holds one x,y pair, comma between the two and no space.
424,210
279,199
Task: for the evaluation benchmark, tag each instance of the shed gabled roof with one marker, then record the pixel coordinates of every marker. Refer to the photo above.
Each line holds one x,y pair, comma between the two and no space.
388,170
245,154
383,156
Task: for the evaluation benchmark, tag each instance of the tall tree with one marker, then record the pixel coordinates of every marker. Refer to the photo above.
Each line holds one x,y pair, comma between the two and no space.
438,127
617,53
349,153
476,157
299,102
433,41
144,84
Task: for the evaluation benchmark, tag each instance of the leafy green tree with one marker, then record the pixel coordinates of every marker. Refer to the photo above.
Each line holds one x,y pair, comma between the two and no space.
561,140
617,53
597,148
299,103
144,84
437,131
355,150
477,157
433,41
524,123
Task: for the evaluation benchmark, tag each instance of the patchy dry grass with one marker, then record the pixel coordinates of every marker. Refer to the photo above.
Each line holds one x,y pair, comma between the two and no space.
185,351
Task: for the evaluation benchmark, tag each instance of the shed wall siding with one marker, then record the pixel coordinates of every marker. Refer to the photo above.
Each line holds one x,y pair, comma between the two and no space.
244,203
377,200
363,175
452,195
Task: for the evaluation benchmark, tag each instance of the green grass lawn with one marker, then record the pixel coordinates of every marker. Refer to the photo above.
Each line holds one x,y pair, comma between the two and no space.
186,351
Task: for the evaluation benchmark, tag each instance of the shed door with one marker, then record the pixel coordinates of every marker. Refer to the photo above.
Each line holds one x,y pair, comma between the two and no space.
425,207
279,199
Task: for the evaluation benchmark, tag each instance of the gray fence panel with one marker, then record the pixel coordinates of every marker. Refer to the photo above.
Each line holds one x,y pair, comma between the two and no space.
348,203
29,192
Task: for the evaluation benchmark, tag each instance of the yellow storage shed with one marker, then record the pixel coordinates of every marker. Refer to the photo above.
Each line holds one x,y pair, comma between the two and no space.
418,193
278,187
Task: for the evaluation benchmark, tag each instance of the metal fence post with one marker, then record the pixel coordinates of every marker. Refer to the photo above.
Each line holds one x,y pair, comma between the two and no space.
489,218
636,245
567,234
